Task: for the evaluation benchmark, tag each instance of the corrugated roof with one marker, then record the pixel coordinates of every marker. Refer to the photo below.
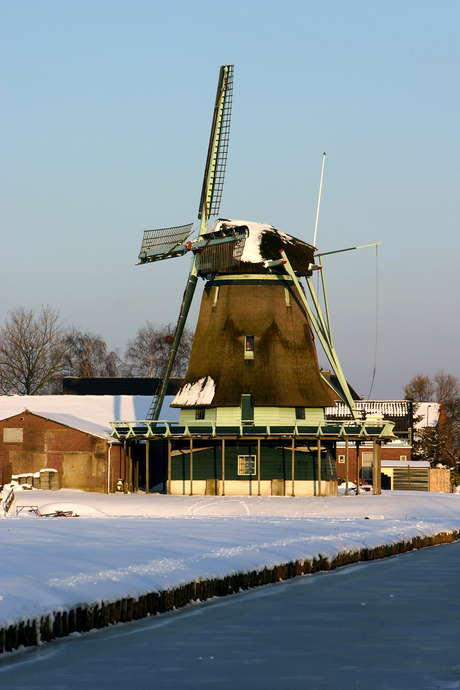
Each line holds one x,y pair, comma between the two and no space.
393,408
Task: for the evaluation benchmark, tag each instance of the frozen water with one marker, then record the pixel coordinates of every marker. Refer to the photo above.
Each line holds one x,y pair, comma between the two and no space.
391,624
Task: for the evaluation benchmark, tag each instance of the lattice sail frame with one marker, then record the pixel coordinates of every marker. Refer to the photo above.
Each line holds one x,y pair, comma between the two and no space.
164,240
216,160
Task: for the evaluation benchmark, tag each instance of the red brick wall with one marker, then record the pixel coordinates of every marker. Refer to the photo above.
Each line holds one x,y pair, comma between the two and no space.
388,453
46,444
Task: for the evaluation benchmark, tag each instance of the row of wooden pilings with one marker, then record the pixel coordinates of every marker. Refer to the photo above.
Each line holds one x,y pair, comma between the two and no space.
86,617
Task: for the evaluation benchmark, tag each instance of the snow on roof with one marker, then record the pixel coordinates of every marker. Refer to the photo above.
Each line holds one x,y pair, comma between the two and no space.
251,252
395,408
429,413
77,423
89,413
199,393
405,463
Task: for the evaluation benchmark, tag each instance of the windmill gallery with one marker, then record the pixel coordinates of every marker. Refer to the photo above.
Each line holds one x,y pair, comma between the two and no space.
252,404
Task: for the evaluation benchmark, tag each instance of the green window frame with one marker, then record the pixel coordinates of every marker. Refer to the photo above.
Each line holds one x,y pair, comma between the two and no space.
247,409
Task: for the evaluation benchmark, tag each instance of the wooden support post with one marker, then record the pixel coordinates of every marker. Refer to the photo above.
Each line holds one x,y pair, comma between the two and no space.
125,465
136,474
130,468
191,466
169,465
258,466
292,467
408,474
374,470
319,466
357,467
347,493
147,466
223,467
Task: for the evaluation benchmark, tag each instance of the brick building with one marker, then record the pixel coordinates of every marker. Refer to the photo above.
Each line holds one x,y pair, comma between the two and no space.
68,434
409,420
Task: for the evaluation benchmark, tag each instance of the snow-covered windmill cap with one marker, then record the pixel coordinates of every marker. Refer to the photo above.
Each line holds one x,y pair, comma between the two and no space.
264,243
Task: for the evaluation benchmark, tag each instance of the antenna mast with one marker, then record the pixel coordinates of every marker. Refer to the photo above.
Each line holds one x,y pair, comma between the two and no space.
319,199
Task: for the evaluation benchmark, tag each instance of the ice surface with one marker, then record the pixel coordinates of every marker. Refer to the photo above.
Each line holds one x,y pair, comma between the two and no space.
389,624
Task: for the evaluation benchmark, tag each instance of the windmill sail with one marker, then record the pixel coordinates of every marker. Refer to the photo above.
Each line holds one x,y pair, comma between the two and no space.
210,202
216,160
158,244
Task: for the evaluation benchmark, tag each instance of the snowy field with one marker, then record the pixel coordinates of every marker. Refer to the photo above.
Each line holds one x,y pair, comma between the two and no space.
126,545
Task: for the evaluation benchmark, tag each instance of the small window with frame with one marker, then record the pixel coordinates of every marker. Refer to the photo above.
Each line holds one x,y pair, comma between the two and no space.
200,413
249,347
342,459
300,412
246,464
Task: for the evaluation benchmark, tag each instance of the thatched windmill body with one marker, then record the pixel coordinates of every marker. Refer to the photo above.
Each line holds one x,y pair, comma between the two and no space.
253,358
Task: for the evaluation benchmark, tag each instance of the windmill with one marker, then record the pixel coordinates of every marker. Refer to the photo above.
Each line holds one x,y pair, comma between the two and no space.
226,254
253,386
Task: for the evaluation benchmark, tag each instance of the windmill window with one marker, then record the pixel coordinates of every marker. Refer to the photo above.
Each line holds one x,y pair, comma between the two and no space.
200,413
368,461
300,412
249,347
246,464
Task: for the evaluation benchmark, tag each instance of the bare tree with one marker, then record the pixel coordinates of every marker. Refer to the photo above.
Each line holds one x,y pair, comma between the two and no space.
32,351
442,443
419,389
87,356
447,387
148,353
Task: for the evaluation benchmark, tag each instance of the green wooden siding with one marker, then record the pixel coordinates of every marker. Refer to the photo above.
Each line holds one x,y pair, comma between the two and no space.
228,415
276,462
263,416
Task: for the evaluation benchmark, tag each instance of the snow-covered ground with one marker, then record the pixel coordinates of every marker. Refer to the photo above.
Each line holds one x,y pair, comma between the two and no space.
126,545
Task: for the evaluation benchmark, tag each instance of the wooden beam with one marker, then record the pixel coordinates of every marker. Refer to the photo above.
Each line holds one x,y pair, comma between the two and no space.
375,481
319,466
130,468
223,467
191,466
147,467
292,467
258,466
357,467
123,463
347,493
136,475
169,465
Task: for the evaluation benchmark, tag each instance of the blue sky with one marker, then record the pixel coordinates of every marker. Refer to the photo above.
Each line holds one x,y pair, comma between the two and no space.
105,119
